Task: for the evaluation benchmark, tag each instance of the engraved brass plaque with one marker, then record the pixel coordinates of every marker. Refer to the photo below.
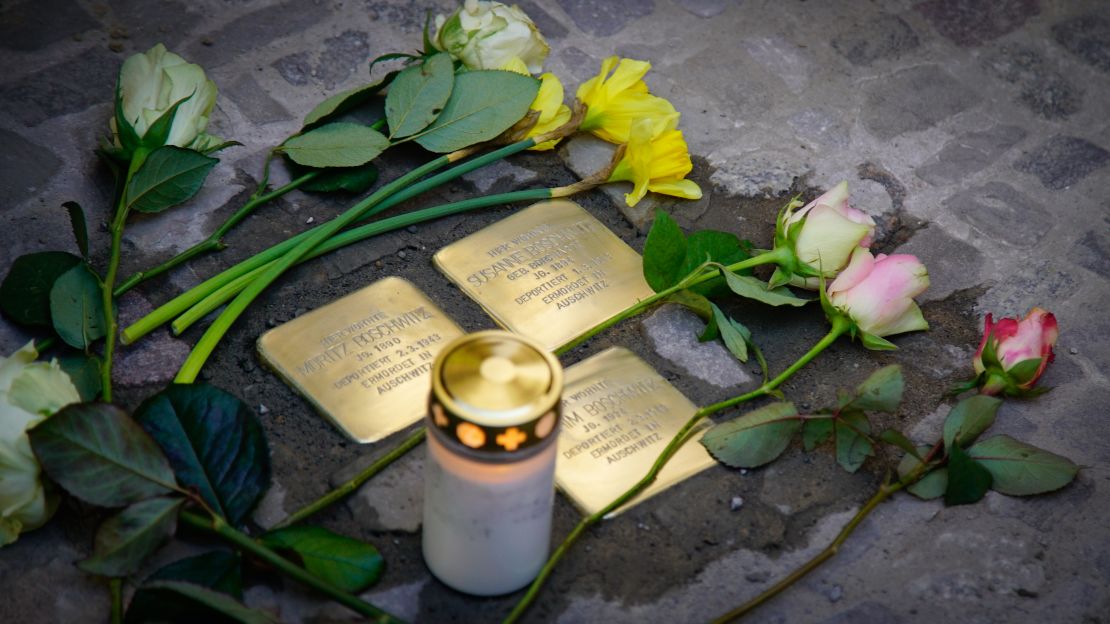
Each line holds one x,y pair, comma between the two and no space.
618,415
549,272
364,361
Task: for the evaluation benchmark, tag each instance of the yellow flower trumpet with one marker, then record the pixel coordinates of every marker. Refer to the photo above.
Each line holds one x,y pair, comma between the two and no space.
658,164
548,103
616,101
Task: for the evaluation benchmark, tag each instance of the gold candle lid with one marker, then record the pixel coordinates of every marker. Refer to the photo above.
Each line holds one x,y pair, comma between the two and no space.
495,392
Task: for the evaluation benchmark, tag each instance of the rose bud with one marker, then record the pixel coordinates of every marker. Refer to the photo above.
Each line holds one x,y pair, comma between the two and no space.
1014,354
831,230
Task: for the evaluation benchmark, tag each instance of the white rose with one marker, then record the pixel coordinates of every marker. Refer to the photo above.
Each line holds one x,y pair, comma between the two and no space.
151,82
486,35
29,392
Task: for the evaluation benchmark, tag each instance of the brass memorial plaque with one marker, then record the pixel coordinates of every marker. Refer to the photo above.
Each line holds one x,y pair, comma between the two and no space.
364,360
549,272
618,415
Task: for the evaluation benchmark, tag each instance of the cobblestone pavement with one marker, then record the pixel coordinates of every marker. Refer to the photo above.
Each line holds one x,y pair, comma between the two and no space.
976,132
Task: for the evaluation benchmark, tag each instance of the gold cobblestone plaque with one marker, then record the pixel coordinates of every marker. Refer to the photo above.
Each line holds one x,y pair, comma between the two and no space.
364,361
549,272
618,415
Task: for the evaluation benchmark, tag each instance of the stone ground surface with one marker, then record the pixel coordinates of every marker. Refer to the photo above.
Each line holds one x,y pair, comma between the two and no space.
975,132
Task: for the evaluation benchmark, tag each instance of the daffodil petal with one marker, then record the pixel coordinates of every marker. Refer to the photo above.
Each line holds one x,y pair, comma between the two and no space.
686,189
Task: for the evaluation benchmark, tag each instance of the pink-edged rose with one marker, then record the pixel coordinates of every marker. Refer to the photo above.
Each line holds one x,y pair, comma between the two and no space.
1013,354
832,230
876,292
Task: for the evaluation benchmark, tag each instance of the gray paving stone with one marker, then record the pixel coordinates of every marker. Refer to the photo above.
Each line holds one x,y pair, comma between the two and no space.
674,334
254,30
552,29
147,23
781,58
705,8
24,168
586,155
153,360
914,99
974,22
342,56
294,68
603,19
865,613
1000,211
406,15
1062,161
1087,37
953,264
1092,251
580,67
66,87
878,38
821,126
35,24
393,500
968,154
1042,87
255,103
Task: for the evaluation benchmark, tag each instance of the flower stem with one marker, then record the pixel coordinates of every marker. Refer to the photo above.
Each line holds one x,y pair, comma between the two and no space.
228,290
218,526
107,300
353,484
171,309
115,591
699,275
672,447
215,242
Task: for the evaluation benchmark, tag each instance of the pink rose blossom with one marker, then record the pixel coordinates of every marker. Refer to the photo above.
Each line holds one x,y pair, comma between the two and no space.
877,292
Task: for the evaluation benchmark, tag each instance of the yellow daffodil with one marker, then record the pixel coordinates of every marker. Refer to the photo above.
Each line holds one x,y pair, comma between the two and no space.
657,164
548,103
616,101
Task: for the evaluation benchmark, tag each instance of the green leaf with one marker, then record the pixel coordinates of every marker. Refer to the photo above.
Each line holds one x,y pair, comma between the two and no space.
79,225
899,439
157,133
483,104
731,335
214,443
346,563
881,392
77,307
970,418
218,570
876,343
968,480
216,601
931,485
816,431
664,253
418,95
25,291
392,56
338,144
84,372
1021,469
752,288
345,101
349,179
128,138
1024,370
219,147
126,539
98,454
712,246
694,302
852,448
928,487
168,176
755,438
